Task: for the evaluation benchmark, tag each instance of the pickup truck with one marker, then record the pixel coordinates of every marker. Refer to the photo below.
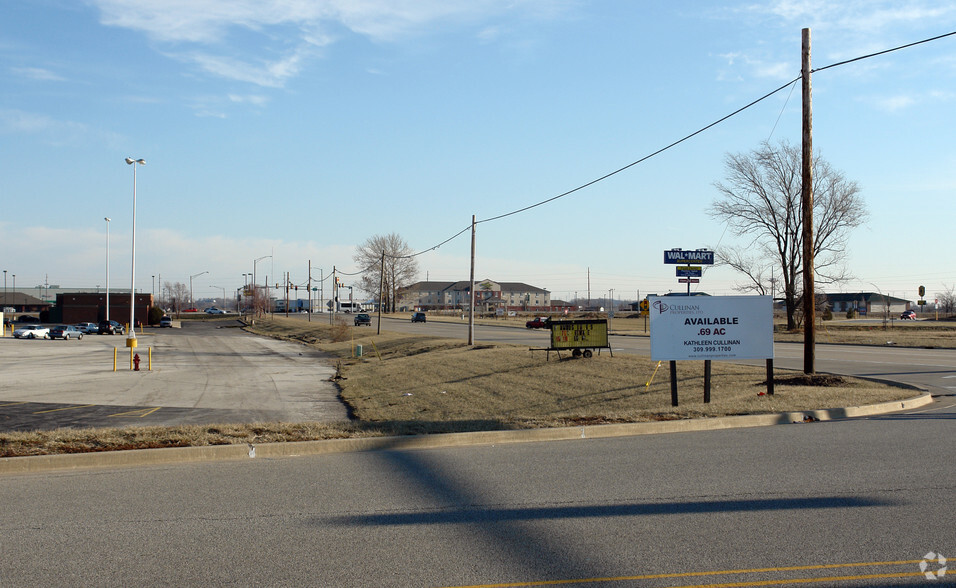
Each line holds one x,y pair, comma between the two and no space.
363,319
541,322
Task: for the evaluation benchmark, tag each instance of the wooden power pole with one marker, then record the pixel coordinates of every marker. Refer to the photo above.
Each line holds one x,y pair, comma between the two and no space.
806,197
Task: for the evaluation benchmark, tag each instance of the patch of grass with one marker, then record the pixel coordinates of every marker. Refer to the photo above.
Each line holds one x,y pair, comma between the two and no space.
413,384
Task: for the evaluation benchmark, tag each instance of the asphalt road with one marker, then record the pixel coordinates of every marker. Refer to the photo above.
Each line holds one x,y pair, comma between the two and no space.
840,503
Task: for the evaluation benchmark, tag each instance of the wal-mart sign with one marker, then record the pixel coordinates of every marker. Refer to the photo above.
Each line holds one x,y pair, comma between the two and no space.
687,256
711,327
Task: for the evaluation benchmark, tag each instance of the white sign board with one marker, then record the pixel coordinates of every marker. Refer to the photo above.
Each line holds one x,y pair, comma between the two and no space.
711,327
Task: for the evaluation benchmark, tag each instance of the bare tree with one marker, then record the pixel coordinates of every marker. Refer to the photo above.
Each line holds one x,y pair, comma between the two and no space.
761,200
400,269
177,295
947,299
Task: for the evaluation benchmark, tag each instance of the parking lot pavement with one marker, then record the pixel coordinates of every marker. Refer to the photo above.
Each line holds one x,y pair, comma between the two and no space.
204,372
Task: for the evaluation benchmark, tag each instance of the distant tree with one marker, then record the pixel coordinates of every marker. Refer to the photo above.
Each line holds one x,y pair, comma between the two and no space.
177,294
400,269
761,199
947,299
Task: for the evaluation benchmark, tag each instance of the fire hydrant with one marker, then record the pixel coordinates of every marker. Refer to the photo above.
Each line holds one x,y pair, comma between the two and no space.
136,362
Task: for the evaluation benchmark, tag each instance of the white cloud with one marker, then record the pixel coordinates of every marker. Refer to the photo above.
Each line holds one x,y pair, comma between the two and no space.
36,73
293,29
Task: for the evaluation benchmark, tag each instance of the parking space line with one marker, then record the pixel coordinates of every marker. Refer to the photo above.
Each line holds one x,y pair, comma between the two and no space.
13,404
141,412
67,408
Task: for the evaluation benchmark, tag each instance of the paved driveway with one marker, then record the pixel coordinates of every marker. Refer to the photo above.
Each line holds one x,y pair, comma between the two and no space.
205,372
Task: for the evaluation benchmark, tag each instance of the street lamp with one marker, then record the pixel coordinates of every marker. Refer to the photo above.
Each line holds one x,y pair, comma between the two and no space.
191,299
107,219
132,270
255,293
5,302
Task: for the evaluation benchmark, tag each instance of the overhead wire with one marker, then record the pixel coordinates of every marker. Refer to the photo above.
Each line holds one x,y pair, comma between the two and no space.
790,83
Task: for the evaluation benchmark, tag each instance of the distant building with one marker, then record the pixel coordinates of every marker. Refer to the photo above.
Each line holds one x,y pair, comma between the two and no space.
83,307
490,296
866,302
21,302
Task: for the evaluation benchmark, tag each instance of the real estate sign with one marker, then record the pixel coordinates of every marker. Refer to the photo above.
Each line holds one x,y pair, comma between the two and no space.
711,327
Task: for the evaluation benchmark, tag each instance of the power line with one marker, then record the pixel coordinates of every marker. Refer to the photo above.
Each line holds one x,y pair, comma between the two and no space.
674,144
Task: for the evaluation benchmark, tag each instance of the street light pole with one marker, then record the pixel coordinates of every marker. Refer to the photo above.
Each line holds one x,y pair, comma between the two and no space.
132,270
255,288
191,299
107,219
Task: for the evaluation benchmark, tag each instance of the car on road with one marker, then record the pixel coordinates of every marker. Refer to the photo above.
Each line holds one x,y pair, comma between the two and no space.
110,328
214,310
908,315
87,328
418,317
191,310
363,319
166,321
32,332
540,322
66,332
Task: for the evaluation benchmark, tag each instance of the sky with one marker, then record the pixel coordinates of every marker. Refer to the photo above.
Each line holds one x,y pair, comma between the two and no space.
291,131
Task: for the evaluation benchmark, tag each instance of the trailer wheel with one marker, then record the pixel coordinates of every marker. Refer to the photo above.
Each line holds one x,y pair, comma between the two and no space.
576,353
587,353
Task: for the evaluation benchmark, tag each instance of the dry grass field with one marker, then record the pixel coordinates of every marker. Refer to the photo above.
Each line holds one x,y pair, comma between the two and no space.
413,384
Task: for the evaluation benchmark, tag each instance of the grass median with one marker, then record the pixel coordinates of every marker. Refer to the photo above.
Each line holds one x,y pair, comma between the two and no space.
415,384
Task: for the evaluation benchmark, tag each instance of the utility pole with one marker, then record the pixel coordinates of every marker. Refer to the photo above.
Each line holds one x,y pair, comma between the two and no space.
309,290
806,198
471,291
381,294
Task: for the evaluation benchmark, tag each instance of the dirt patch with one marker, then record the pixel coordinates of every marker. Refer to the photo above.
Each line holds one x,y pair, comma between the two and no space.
809,380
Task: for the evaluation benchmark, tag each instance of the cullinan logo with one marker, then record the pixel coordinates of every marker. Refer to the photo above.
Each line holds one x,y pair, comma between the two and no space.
660,307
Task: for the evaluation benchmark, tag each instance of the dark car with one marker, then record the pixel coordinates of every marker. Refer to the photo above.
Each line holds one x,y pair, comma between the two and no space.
908,315
25,318
363,319
418,317
65,332
541,322
166,321
110,328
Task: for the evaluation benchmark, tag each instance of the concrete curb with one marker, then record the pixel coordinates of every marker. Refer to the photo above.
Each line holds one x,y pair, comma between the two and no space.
141,457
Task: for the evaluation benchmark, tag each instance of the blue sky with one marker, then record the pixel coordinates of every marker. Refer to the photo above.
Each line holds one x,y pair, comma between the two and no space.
299,129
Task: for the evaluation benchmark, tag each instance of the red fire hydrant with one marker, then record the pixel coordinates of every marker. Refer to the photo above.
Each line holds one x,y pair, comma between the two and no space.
136,362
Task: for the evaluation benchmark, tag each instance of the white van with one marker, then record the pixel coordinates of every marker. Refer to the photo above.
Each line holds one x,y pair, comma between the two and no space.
350,307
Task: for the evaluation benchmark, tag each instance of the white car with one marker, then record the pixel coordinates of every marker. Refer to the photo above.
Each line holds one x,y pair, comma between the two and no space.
32,332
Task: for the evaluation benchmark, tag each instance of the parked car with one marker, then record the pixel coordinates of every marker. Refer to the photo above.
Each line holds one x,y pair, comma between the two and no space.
908,315
110,328
87,328
418,317
540,322
66,332
32,332
166,321
25,318
363,319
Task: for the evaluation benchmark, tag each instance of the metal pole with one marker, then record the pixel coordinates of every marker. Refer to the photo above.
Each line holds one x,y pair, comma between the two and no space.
107,219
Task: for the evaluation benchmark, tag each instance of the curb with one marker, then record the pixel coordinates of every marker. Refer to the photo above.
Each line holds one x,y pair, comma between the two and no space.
171,455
